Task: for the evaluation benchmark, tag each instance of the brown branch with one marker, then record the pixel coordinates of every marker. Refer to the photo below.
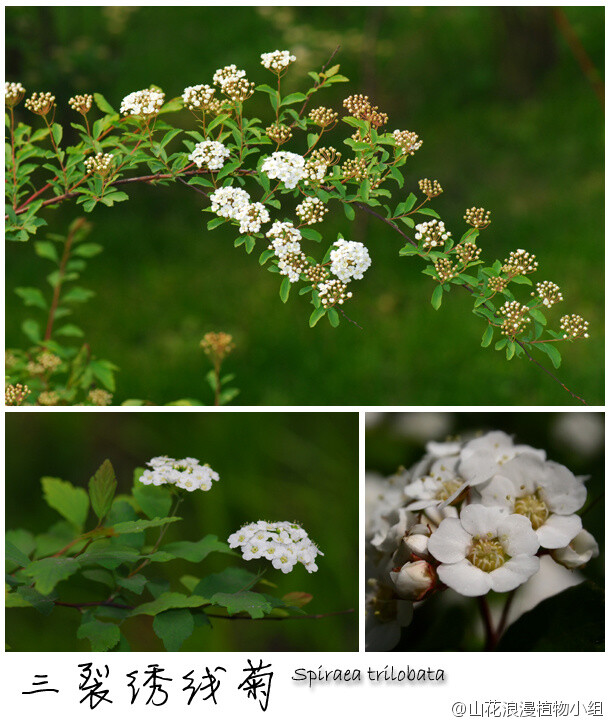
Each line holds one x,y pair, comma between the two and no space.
467,287
317,84
281,619
82,605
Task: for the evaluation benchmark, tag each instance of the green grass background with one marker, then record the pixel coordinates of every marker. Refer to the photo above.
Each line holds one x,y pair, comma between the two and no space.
273,466
509,122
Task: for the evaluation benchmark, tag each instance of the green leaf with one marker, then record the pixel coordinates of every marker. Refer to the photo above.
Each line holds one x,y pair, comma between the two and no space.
250,602
48,572
133,527
32,297
553,627
15,555
349,211
552,352
57,132
69,331
297,599
72,503
110,557
103,104
510,350
285,289
437,297
196,551
522,279
104,372
316,316
46,250
487,336
333,317
31,330
135,583
169,600
213,223
153,500
228,169
538,316
501,344
174,626
88,250
229,581
102,635
101,489
293,98
426,211
308,233
42,604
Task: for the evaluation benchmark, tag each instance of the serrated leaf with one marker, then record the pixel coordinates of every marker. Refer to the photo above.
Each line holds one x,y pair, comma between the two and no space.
169,600
173,627
153,500
102,486
72,503
196,551
109,557
134,527
229,581
49,572
250,602
102,635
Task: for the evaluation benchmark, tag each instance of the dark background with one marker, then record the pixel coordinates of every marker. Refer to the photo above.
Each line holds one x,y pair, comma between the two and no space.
273,466
510,121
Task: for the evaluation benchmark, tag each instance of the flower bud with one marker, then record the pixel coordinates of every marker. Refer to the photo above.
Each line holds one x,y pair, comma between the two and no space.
578,552
413,580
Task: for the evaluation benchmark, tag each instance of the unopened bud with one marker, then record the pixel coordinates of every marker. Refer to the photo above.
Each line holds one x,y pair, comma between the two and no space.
413,580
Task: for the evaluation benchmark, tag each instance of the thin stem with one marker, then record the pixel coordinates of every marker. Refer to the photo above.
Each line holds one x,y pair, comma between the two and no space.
82,605
281,619
157,542
217,390
490,636
62,269
504,617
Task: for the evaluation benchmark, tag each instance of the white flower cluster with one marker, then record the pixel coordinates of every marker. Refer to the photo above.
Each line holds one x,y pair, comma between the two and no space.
232,202
147,102
283,543
476,515
285,166
198,97
99,164
227,75
211,154
350,260
229,201
277,60
13,93
185,473
433,233
285,239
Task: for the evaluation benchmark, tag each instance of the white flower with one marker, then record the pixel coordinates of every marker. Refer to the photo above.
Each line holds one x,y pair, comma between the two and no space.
185,473
350,260
277,60
435,487
230,201
413,580
578,552
251,217
147,102
198,97
211,154
227,74
548,494
283,543
484,549
481,458
285,166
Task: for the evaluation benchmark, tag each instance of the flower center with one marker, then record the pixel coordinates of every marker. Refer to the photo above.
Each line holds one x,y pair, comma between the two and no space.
448,488
486,554
534,508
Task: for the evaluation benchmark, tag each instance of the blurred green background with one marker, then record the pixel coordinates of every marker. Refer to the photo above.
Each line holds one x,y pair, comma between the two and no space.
510,121
273,466
574,439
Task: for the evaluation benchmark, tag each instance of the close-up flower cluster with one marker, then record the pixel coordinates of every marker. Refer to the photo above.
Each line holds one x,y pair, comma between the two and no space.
145,103
283,543
186,473
209,154
475,515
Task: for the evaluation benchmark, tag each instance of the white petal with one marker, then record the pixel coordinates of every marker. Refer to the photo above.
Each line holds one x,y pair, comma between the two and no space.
500,492
516,571
480,520
518,536
449,543
558,531
465,578
563,492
